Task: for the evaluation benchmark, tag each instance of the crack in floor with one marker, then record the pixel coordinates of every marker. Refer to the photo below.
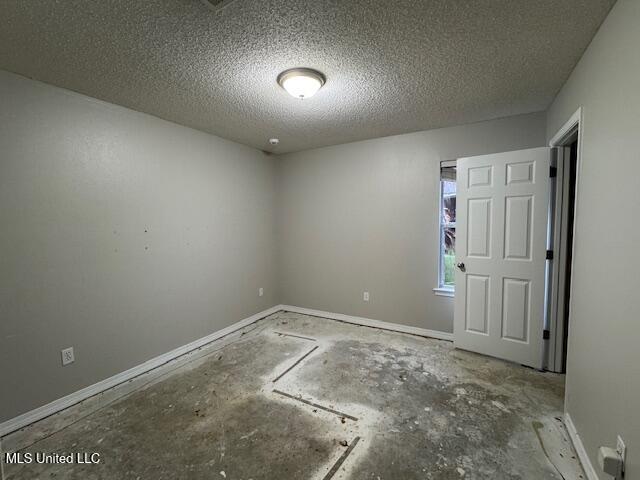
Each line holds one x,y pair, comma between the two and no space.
282,334
316,405
341,460
295,364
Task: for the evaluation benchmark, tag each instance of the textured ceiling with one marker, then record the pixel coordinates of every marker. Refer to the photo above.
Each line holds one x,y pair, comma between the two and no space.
392,66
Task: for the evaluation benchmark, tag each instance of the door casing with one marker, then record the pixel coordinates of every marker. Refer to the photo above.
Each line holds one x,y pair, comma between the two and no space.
569,132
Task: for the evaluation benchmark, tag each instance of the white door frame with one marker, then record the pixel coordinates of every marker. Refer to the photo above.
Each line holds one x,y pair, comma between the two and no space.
574,125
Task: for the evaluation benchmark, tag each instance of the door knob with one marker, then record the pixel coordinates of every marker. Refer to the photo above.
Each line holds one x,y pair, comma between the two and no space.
461,266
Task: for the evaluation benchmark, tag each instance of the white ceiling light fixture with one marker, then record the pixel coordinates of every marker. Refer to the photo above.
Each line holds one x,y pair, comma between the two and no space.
301,82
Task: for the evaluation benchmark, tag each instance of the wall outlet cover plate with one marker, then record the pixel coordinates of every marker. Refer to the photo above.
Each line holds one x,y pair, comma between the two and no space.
68,356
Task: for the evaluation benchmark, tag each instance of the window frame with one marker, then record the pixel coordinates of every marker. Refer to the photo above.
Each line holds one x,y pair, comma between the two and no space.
442,289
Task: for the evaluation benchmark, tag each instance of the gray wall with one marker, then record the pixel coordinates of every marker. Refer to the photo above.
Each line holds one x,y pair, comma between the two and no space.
122,235
603,370
364,216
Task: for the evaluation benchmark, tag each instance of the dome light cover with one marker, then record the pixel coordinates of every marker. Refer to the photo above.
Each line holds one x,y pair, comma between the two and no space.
301,82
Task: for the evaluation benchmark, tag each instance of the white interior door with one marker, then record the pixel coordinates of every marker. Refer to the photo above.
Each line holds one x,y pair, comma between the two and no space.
501,234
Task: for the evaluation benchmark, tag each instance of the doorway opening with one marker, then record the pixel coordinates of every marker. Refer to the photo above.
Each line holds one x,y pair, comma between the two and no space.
561,241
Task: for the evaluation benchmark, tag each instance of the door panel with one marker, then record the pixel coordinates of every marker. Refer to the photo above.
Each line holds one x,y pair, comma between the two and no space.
480,176
515,311
517,228
479,231
501,231
520,172
477,306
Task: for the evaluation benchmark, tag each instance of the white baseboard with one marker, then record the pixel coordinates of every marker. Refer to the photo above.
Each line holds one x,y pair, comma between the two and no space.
587,466
368,322
76,397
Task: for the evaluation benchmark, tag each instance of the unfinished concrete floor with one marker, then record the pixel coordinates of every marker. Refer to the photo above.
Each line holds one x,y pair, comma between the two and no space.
300,397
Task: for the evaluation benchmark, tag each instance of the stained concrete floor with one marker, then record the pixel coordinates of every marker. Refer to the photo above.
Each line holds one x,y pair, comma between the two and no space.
300,397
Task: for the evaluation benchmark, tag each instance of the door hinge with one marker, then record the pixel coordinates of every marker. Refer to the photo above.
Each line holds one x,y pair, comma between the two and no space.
549,254
553,172
546,334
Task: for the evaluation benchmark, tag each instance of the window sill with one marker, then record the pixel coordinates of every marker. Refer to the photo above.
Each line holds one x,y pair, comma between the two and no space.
444,292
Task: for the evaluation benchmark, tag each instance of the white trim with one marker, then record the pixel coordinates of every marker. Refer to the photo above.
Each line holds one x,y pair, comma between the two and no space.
39,413
587,466
368,322
560,136
559,140
444,292
1,461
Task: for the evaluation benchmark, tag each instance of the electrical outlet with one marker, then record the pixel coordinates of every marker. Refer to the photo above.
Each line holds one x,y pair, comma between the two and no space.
68,356
621,448
260,291
365,296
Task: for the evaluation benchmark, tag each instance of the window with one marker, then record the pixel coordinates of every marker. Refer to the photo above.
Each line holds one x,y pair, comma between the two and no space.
446,276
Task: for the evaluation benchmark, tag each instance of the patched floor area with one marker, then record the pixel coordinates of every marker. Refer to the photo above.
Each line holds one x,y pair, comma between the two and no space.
300,397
